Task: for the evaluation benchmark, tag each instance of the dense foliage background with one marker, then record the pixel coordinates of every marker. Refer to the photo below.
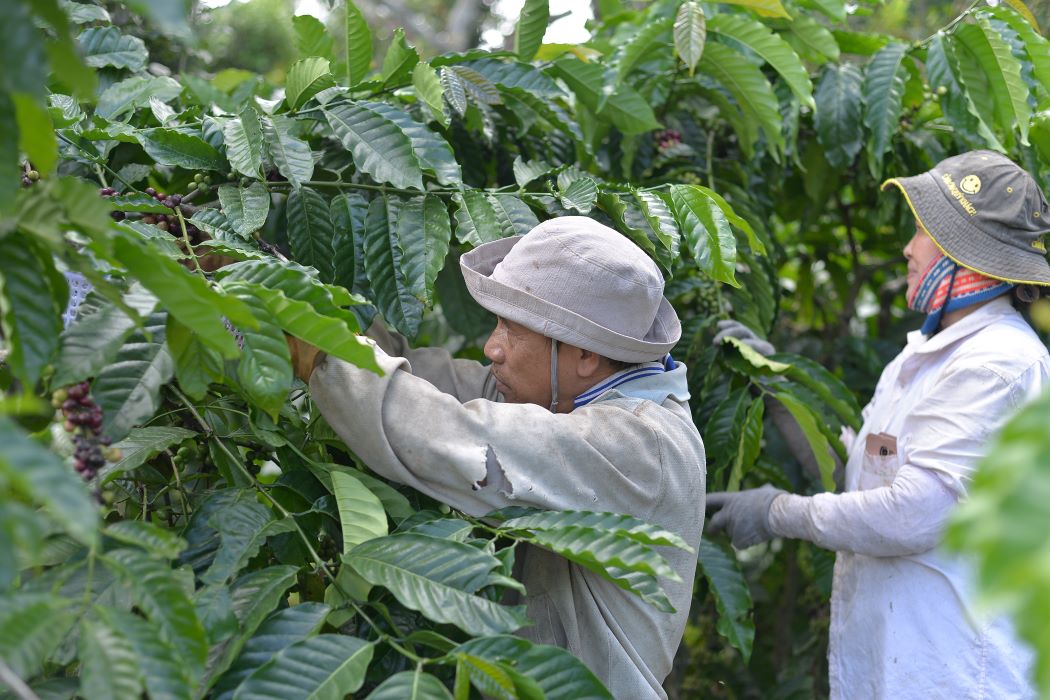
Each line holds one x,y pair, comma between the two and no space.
178,520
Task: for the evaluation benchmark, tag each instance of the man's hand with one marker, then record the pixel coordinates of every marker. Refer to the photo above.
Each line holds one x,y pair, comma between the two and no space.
743,515
304,357
736,329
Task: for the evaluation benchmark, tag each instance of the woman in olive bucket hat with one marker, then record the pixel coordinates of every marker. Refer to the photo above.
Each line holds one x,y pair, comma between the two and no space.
581,408
903,622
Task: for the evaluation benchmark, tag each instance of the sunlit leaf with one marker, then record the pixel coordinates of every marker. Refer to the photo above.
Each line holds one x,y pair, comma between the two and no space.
360,512
532,25
306,78
690,33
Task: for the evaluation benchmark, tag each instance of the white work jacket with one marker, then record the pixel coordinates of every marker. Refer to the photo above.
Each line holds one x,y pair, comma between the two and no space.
903,620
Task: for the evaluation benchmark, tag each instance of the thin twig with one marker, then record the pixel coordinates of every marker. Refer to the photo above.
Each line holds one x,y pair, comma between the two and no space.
178,483
948,27
710,159
97,161
189,246
342,184
9,678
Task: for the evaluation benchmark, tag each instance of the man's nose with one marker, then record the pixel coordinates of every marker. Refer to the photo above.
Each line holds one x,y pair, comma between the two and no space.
494,349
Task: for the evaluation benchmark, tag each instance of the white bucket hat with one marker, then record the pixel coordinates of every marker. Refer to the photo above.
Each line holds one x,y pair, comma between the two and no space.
579,282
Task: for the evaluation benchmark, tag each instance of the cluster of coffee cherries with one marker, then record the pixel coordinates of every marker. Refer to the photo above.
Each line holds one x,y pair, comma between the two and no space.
83,419
170,222
29,177
109,192
668,139
201,182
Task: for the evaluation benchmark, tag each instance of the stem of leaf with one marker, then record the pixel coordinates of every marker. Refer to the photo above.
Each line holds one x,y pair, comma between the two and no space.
340,184
9,678
86,601
951,25
710,158
382,635
98,163
178,484
189,246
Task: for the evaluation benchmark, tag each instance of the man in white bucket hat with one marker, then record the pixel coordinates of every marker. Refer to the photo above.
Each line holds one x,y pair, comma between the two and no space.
581,409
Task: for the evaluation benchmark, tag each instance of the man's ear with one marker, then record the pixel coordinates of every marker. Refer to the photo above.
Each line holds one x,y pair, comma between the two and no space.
588,363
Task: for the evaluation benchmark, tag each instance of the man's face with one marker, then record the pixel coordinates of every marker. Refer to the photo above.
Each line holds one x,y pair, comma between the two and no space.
521,363
920,252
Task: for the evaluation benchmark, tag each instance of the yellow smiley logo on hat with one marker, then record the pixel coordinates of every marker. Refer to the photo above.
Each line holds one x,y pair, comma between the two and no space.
971,184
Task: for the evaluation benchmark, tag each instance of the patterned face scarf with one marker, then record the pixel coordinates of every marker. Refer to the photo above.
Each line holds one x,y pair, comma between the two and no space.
943,281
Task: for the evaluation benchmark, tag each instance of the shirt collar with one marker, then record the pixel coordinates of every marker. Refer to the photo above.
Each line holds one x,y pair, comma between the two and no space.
649,380
982,317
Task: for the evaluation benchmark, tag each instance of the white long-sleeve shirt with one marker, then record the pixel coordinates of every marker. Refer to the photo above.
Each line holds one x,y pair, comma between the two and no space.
903,622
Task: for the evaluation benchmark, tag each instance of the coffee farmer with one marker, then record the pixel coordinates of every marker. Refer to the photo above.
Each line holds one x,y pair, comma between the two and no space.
903,622
581,409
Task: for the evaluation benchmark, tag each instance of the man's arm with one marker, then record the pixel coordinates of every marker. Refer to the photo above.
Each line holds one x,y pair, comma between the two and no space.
464,379
481,455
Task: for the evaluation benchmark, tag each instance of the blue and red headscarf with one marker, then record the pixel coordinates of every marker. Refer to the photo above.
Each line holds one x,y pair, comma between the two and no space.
947,286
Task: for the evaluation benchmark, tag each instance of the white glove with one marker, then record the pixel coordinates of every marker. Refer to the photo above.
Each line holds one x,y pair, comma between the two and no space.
744,515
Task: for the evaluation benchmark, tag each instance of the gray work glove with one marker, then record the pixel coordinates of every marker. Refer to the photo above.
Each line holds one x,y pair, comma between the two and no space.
736,329
743,515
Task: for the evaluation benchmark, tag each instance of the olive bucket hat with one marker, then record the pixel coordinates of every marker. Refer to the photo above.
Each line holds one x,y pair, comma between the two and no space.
985,213
579,282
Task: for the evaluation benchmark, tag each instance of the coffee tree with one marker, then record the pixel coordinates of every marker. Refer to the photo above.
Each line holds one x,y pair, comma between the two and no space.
178,520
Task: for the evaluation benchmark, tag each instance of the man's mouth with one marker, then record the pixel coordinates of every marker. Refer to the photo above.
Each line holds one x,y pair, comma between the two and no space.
500,386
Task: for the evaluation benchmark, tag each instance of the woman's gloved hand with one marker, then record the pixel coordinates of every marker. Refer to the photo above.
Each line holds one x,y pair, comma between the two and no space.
736,329
743,515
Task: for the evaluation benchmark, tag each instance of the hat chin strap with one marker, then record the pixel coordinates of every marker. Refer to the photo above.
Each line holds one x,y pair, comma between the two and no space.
554,376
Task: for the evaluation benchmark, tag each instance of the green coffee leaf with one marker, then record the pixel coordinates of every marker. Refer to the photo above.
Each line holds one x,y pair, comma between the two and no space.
306,78
245,143
108,46
380,147
358,45
838,113
438,578
690,33
532,25
171,147
360,512
310,230
289,153
706,230
325,666
732,597
31,626
246,207
109,669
